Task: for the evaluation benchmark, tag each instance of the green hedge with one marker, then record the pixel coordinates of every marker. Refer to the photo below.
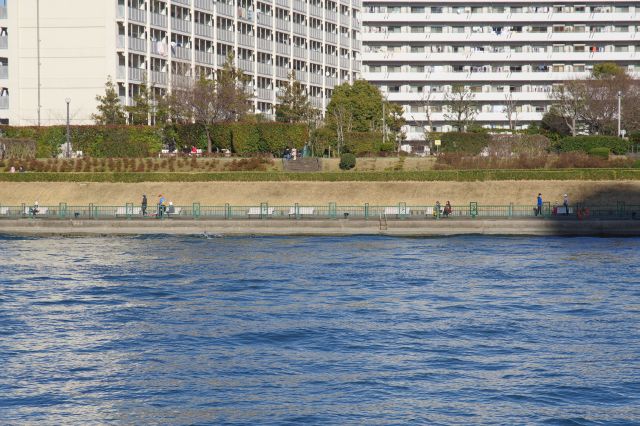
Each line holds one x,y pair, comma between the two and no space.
586,143
245,139
360,143
421,176
276,137
600,152
470,143
347,161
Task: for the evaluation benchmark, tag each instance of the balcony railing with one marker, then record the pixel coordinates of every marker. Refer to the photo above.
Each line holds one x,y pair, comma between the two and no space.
120,72
4,72
137,15
332,16
331,59
204,30
301,75
184,2
137,74
284,3
4,42
316,102
205,57
299,29
282,72
344,62
315,56
331,81
182,53
264,19
315,33
331,37
158,77
299,6
265,94
316,11
265,69
224,9
4,102
205,4
181,25
158,20
119,11
181,80
283,49
246,40
221,60
344,41
138,44
245,65
265,44
299,52
315,78
224,35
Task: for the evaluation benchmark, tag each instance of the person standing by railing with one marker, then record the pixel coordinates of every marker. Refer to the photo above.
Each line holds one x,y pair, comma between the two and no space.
565,203
144,205
539,205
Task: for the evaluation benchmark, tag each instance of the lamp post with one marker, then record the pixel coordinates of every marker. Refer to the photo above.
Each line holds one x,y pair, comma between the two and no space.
67,151
619,111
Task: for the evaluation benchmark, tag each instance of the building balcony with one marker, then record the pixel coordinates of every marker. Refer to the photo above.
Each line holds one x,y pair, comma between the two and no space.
207,5
137,75
299,6
138,44
344,41
4,72
282,72
495,97
119,11
331,16
315,78
182,53
299,29
344,62
331,37
331,81
283,25
331,60
158,20
4,42
265,94
221,60
225,9
485,57
137,15
478,37
246,40
206,58
299,52
488,77
315,33
283,49
224,35
181,25
266,45
301,76
181,80
503,18
315,56
316,102
159,78
355,65
246,65
265,69
264,20
203,30
4,102
283,3
316,11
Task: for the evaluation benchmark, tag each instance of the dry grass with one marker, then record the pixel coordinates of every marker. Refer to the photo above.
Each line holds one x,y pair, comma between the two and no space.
320,193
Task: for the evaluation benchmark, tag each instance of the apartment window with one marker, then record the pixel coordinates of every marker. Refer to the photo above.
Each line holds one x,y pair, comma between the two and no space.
458,68
457,29
394,29
436,30
558,28
393,89
516,9
416,68
578,68
437,9
579,28
597,28
375,68
417,29
578,48
417,49
621,9
558,48
558,68
579,9
394,68
516,49
538,29
621,49
497,9
621,29
417,9
477,10
394,9
515,68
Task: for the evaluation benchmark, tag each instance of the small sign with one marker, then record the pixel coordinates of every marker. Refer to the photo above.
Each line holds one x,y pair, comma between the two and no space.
436,142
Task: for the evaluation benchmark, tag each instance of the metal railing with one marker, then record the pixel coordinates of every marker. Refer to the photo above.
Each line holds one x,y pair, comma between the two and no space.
328,211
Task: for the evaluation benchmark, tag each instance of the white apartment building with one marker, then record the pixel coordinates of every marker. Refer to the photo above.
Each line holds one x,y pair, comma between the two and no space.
52,51
510,54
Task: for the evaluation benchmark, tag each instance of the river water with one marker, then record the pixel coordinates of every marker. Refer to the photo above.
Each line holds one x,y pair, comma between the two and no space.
351,330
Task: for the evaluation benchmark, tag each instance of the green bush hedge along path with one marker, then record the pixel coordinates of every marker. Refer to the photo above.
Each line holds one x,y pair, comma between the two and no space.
430,175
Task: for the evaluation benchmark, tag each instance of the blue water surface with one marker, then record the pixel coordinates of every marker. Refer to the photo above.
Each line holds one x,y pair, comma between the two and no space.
319,330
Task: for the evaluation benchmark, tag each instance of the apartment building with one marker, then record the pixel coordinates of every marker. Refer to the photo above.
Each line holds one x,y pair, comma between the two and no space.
508,54
54,51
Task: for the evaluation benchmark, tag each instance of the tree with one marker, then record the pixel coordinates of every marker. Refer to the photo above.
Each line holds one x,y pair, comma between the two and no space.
364,102
293,103
554,122
461,108
343,119
607,70
511,111
141,110
110,110
570,99
207,101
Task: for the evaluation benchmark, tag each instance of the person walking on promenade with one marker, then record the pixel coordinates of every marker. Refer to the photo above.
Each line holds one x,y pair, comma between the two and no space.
565,203
162,205
144,205
539,205
447,209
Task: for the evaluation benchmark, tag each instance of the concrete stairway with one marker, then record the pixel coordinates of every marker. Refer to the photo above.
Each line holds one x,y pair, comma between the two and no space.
302,165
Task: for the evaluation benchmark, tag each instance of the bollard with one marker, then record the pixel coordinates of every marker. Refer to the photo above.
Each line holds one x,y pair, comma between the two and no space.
62,210
510,209
473,209
402,210
297,211
227,211
366,211
264,210
333,211
195,210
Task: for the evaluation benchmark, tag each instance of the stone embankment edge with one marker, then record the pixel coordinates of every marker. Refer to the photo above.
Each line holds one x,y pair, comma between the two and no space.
327,227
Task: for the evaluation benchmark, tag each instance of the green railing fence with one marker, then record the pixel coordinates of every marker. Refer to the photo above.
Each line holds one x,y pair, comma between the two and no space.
401,211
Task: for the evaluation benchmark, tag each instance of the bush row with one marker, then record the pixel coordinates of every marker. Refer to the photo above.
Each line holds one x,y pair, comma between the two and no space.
431,175
587,143
143,141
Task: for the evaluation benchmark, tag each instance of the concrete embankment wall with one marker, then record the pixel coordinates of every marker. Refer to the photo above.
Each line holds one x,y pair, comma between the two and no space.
408,227
320,193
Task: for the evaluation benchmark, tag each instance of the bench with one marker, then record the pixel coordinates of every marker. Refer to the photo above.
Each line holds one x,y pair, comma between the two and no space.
42,211
397,211
258,211
172,210
302,211
124,211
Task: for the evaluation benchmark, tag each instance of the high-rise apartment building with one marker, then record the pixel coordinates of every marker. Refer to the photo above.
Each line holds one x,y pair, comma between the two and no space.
508,54
57,50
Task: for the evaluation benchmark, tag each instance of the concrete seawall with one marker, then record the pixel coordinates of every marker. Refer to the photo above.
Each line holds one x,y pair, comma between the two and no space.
408,227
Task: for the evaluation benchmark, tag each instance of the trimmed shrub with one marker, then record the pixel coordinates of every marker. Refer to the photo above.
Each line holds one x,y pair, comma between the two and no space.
17,148
586,143
347,161
276,137
245,139
469,143
505,145
601,152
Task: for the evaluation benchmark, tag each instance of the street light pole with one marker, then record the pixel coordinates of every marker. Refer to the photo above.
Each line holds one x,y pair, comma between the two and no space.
619,112
68,147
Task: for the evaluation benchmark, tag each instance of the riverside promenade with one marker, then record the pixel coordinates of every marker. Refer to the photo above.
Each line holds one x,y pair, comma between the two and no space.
339,226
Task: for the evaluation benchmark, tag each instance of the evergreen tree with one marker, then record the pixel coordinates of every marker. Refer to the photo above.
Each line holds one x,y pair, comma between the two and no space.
293,103
110,110
140,111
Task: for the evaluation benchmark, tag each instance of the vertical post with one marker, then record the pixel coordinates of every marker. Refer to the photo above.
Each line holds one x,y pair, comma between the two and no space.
62,210
547,209
473,209
195,210
227,211
402,210
366,211
264,210
619,111
333,213
24,210
510,209
67,150
91,210
128,208
297,211
38,67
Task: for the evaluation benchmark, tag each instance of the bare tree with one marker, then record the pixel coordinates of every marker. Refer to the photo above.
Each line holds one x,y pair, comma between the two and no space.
343,120
570,100
511,111
461,107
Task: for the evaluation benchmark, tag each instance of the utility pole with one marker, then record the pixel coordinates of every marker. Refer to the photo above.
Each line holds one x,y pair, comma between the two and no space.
67,150
38,54
619,112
